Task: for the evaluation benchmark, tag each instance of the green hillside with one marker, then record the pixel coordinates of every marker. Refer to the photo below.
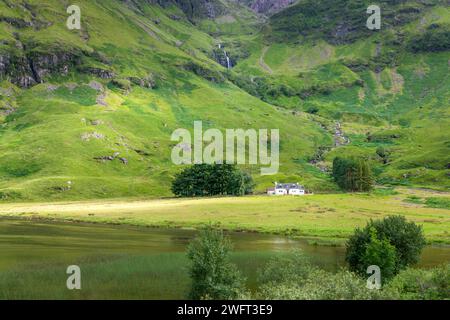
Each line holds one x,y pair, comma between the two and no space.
138,70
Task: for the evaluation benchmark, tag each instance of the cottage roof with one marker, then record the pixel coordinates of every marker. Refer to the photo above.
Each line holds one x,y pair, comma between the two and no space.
288,186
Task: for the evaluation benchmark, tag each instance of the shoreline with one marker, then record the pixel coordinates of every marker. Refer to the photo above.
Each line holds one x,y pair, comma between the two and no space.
310,240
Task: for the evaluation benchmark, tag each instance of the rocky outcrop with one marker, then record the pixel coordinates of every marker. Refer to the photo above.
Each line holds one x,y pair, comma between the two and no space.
98,72
270,6
27,68
112,158
194,9
87,136
204,72
144,82
17,69
44,64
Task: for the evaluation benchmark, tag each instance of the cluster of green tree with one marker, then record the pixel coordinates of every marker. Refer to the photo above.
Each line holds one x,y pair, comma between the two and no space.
202,180
352,174
293,277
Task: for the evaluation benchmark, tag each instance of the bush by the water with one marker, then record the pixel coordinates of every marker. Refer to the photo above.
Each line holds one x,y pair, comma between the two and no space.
392,243
418,284
294,278
352,174
213,275
212,179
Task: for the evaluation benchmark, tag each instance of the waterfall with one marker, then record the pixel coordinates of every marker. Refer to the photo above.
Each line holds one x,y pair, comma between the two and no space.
228,60
226,56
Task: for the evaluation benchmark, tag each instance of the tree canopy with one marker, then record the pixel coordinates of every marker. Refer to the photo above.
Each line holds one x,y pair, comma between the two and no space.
352,174
202,180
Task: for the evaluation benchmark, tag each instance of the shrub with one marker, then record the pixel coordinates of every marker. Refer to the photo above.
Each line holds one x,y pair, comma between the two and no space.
213,276
434,202
384,154
406,237
293,278
293,268
422,284
313,110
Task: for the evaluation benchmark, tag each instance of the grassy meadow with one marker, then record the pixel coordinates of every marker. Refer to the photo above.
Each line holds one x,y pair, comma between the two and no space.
325,218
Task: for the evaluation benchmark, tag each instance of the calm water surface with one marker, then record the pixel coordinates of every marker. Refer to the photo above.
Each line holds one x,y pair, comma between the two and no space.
25,242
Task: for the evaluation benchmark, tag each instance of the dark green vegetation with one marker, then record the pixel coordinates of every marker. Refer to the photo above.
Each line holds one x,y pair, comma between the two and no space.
212,180
352,174
392,243
212,274
96,107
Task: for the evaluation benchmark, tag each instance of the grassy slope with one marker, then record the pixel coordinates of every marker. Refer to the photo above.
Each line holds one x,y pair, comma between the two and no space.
41,142
407,97
325,217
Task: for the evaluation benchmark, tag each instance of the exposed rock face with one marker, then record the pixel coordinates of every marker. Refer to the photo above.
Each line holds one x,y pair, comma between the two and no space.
205,73
145,82
112,158
43,65
87,136
17,69
98,72
269,6
194,8
26,69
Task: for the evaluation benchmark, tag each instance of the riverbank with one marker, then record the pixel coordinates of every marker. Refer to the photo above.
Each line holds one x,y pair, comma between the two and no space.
323,218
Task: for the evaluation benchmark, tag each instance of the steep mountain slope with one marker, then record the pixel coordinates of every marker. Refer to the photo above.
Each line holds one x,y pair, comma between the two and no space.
81,100
389,89
89,113
267,7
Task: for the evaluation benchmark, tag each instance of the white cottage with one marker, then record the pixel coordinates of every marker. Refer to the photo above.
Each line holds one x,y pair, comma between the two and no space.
282,189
